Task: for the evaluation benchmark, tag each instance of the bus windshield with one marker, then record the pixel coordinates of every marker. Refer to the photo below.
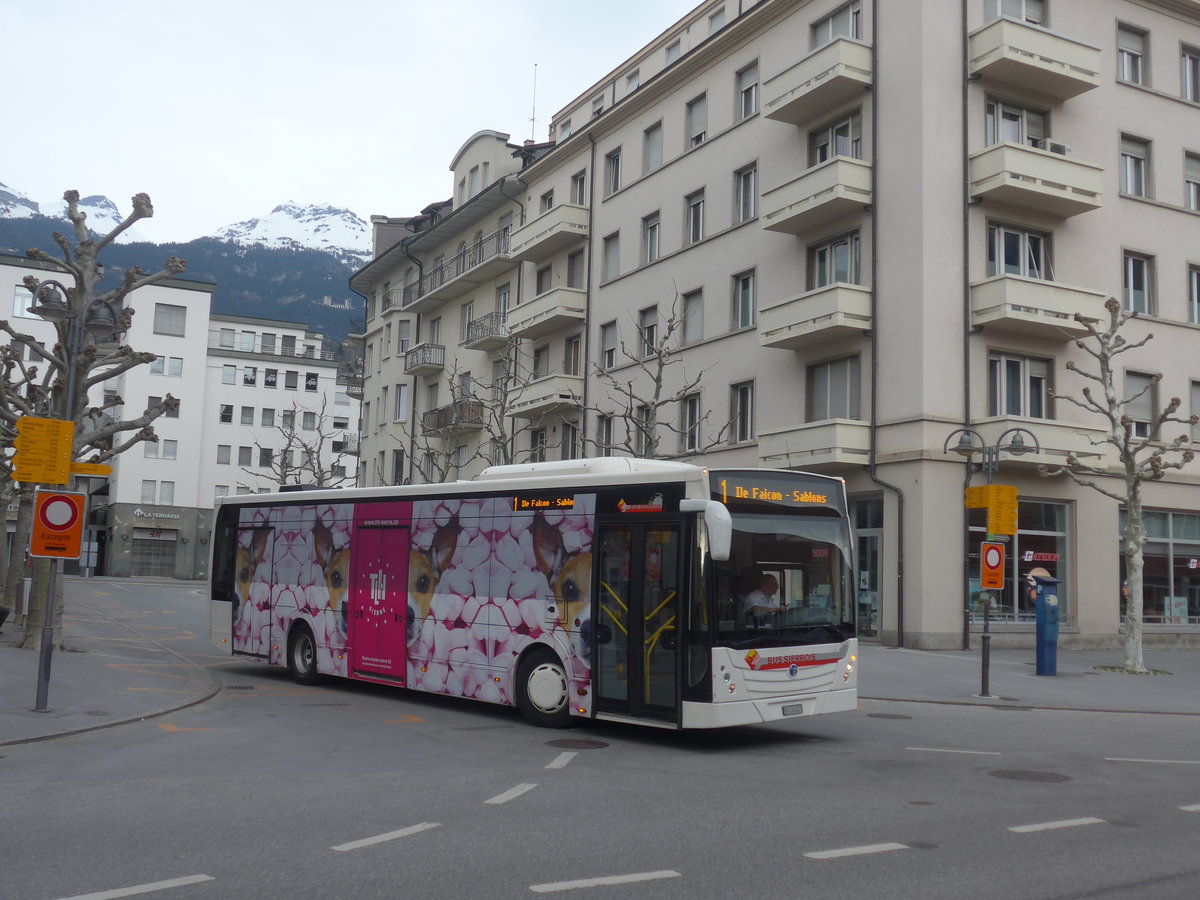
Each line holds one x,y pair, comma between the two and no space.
787,582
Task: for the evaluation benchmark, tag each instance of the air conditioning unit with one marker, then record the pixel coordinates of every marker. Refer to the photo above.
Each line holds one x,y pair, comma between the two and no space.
1058,147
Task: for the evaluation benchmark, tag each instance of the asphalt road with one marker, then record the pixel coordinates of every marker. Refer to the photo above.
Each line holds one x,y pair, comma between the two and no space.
348,790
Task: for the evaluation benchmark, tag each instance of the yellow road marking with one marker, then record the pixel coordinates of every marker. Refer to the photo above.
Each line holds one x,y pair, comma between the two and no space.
166,727
404,720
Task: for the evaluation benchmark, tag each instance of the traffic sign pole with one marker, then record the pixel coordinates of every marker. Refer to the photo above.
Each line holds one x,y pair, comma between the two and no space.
58,519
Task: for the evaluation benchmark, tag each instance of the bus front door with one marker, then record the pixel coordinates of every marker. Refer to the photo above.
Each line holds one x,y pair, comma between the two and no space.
637,620
377,632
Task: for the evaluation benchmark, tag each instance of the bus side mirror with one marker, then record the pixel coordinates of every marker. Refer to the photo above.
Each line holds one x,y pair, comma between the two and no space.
718,522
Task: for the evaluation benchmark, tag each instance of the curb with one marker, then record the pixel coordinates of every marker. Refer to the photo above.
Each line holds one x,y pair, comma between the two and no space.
1033,706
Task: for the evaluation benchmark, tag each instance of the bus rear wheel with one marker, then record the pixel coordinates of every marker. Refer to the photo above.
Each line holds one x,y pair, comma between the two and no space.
544,690
302,656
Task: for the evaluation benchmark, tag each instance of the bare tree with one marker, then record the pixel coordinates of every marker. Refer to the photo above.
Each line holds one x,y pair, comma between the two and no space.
1141,455
640,396
310,455
42,389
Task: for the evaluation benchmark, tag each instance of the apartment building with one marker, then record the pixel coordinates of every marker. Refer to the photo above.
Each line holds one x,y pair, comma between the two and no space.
153,514
825,235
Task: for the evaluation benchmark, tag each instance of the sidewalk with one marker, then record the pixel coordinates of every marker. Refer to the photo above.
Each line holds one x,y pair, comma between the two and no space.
112,674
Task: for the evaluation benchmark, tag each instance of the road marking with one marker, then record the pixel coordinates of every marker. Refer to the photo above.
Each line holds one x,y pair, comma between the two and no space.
855,851
1172,762
511,794
944,750
143,888
561,760
1194,807
600,882
404,720
167,727
1049,826
390,836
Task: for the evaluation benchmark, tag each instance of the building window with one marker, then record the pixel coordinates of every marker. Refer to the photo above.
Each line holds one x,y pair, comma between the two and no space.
632,80
270,378
400,413
1135,165
1031,11
250,375
167,365
741,412
150,449
612,256
1191,181
575,270
1008,123
546,202
693,316
673,51
1017,386
226,414
220,490
1191,74
544,280
696,121
597,107
149,491
694,217
579,188
1196,411
287,345
309,421
247,415
245,455
842,137
648,330
265,457
650,238
247,342
225,338
689,424
564,129
604,435
287,418
1041,540
465,318
716,21
747,89
291,380
612,172
537,445
1138,284
833,390
1141,401
743,300
268,418
1194,295
397,467
223,451
541,362
652,148
845,22
1016,251
570,441
745,193
268,342
170,319
169,449
1131,53
641,430
834,262
572,355
608,345
228,374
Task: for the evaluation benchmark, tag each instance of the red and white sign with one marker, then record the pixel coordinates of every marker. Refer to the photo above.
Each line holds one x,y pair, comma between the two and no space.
991,566
57,525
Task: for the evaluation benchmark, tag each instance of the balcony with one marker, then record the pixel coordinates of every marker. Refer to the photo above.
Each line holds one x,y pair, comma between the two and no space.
835,74
549,312
831,442
1057,439
555,230
489,332
459,416
828,314
424,359
1032,307
546,396
1030,58
251,343
347,444
832,190
1036,180
352,385
477,264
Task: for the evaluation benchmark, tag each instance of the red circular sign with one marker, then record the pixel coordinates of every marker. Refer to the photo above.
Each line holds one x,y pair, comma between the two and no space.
59,512
992,557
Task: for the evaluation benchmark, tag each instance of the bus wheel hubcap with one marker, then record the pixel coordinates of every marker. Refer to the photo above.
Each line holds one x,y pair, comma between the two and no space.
547,688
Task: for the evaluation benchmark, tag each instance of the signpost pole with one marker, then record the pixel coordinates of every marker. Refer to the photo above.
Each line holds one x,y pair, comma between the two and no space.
46,650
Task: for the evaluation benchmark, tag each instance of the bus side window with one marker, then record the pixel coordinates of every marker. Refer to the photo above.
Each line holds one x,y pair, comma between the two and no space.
224,562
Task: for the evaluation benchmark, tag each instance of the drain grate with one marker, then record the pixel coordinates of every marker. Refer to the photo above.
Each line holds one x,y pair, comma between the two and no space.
576,744
239,687
1027,775
887,716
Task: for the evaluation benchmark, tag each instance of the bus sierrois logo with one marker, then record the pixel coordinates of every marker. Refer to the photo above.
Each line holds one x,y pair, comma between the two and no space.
759,663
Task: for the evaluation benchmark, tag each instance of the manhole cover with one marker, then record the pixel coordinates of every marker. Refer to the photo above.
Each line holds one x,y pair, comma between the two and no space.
576,744
1026,775
887,716
239,687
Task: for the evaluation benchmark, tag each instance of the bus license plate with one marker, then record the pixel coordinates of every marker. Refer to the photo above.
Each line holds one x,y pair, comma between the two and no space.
795,709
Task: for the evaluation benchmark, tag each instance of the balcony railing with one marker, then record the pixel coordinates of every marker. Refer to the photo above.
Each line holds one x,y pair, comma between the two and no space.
254,344
424,358
832,190
815,444
1033,307
467,269
347,444
823,80
549,312
1032,58
550,232
461,415
488,332
552,394
1036,180
831,313
351,384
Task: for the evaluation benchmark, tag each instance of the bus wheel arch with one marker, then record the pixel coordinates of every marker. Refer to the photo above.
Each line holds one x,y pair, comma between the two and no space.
543,688
302,654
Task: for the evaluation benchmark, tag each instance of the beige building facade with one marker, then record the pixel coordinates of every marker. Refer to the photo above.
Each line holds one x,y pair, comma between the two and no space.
824,235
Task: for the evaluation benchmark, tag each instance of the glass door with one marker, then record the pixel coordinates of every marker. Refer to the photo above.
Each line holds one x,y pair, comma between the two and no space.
377,627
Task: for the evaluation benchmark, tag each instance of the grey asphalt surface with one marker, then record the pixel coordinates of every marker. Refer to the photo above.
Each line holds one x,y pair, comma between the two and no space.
117,672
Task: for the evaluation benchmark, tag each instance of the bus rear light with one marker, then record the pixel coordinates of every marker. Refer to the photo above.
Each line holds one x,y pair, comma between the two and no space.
496,678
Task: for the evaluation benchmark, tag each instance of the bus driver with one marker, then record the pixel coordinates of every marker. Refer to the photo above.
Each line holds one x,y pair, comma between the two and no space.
765,599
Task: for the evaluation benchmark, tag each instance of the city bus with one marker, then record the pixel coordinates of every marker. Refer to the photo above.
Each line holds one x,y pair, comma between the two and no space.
611,588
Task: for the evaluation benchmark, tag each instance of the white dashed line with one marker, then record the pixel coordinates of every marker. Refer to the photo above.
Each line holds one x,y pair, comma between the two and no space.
143,888
1170,762
600,882
511,794
390,836
943,750
561,760
1050,826
1194,807
855,851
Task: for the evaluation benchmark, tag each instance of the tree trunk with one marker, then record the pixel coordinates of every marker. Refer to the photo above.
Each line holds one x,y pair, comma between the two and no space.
37,607
20,543
1135,541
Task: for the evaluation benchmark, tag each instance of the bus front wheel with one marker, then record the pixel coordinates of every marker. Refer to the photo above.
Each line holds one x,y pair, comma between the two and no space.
544,690
302,656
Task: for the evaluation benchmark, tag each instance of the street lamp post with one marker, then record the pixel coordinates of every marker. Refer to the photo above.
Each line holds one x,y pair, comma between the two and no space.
98,319
969,443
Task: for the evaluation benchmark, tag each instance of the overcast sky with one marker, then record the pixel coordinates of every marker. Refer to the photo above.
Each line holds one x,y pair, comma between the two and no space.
222,109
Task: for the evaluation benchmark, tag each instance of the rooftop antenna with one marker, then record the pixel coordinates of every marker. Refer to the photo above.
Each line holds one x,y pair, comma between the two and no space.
533,116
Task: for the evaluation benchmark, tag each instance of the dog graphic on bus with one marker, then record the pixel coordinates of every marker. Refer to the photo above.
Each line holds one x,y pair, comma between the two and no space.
335,569
247,560
570,578
425,568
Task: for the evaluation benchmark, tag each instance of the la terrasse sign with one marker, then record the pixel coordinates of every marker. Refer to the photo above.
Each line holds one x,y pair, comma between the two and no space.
138,511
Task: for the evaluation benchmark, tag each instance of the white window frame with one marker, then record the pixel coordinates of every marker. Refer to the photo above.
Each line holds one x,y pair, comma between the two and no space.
745,289
692,329
1138,267
1018,385
648,331
170,319
1032,248
1135,166
694,217
824,264
845,21
1141,402
612,172
833,389
745,193
651,237
689,424
840,137
1131,55
579,188
696,121
741,412
1194,294
608,346
747,90
612,256
1189,75
652,148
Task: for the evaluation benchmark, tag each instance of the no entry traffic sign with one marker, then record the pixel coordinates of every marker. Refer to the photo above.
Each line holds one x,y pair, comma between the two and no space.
57,525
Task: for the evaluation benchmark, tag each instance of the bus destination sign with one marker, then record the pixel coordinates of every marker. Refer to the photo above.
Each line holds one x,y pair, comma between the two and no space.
547,503
750,488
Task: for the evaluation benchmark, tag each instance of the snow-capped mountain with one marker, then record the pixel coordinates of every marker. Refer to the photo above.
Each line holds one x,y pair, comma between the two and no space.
102,214
318,227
